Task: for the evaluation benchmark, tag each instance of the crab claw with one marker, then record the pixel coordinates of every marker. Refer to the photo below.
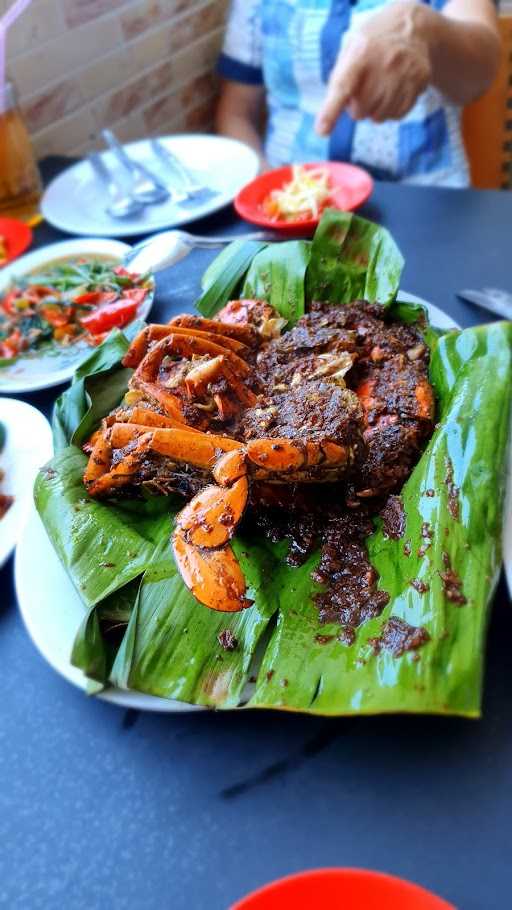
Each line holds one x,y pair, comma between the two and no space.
214,577
210,518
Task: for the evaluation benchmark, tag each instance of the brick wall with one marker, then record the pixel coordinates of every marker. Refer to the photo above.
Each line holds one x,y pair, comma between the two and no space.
140,66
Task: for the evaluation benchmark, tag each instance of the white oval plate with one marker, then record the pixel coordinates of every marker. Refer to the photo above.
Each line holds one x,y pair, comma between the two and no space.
23,376
28,445
41,583
52,612
75,200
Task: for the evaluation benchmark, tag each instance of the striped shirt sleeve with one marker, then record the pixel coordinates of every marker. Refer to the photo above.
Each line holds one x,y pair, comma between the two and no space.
241,57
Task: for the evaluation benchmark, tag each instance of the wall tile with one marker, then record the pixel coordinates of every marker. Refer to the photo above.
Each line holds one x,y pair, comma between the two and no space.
143,65
150,13
65,134
157,114
59,58
52,104
113,70
39,23
78,12
133,95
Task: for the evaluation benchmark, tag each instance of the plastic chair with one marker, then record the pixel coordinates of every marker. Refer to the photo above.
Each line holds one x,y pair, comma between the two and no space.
487,124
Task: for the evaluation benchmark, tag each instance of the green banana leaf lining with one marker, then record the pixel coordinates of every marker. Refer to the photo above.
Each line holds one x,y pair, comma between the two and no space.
119,559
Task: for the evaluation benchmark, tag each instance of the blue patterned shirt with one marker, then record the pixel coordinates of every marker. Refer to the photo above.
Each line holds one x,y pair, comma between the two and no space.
290,47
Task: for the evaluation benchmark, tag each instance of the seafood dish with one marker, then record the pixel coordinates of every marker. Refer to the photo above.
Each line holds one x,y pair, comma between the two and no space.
290,498
342,399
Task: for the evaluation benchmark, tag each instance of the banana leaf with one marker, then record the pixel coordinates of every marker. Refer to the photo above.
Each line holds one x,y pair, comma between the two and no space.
277,275
98,386
225,275
351,259
281,656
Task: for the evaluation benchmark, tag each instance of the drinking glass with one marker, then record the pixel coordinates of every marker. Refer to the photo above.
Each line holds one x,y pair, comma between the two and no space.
20,183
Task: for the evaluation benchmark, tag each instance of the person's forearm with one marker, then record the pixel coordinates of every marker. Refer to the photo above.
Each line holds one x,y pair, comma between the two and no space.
238,127
464,55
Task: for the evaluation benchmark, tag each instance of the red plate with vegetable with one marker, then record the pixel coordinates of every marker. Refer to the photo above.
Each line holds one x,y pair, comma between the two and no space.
293,198
53,313
15,237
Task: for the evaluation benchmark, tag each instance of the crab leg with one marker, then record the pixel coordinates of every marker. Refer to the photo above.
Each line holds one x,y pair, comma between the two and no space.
244,333
154,333
148,418
213,576
206,525
204,374
161,396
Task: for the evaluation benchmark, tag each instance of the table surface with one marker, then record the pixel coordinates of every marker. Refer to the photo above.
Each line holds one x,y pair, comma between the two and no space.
101,807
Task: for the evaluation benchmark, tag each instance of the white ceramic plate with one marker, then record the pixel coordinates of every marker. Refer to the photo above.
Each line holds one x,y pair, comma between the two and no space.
75,200
28,445
52,612
41,583
28,374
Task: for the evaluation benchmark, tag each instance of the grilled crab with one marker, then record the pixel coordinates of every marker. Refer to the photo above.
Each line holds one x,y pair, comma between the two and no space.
220,409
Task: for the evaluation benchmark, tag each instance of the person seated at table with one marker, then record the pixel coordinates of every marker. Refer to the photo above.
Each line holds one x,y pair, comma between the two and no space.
375,82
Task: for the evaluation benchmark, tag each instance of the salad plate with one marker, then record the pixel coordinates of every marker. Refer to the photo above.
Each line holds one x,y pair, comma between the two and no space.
47,361
26,446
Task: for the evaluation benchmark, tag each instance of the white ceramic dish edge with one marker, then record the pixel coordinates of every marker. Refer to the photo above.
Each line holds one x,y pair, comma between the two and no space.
52,578
62,249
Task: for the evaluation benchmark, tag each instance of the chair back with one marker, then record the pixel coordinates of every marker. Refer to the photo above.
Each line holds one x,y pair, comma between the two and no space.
487,123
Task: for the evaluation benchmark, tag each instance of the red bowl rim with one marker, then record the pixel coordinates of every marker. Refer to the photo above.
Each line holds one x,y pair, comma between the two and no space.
18,236
407,888
249,212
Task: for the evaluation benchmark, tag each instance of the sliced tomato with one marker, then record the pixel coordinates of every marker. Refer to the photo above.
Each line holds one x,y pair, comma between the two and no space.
37,292
135,294
97,298
124,273
109,316
55,315
12,345
95,340
8,302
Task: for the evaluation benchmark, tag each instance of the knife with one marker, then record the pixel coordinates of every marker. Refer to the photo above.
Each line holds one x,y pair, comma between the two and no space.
492,299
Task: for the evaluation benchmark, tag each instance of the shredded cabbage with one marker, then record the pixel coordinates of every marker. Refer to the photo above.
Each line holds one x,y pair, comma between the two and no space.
304,196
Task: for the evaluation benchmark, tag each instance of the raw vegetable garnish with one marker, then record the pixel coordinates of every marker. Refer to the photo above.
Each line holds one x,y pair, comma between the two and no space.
304,196
71,301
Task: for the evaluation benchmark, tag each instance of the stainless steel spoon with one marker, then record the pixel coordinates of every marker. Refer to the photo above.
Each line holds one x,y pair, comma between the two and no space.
122,204
146,187
167,248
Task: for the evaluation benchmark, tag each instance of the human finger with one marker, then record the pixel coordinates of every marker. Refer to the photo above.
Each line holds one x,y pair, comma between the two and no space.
343,82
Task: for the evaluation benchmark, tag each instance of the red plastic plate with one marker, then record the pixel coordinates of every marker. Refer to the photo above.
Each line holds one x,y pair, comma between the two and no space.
350,187
341,889
17,236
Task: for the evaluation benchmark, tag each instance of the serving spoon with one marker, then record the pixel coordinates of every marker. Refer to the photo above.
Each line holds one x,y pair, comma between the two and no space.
167,248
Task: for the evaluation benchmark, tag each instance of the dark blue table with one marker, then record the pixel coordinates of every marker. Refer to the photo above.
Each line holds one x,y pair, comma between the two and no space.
104,808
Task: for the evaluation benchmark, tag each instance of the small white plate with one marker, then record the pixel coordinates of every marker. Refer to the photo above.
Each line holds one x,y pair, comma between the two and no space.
75,200
28,445
52,612
41,583
28,374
